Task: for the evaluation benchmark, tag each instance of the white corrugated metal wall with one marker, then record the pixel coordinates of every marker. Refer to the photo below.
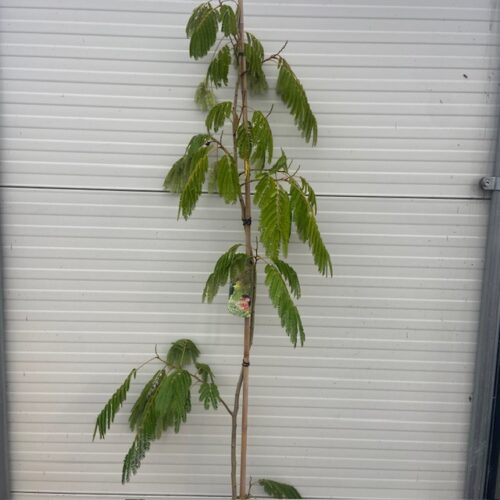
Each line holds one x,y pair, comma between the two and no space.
97,102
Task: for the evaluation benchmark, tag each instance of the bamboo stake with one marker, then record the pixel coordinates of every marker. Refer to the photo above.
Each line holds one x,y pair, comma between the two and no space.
249,252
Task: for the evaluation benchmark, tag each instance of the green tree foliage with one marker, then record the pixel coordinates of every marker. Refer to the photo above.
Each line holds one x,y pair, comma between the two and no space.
218,114
294,96
181,353
282,301
303,204
180,171
209,395
279,490
254,53
229,266
218,69
275,215
227,180
228,20
107,414
262,138
204,96
202,29
284,198
244,141
164,402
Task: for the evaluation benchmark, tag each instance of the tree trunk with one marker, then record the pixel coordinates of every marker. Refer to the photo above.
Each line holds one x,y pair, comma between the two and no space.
248,248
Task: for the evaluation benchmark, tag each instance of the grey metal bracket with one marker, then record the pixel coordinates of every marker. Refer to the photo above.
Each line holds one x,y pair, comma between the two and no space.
490,183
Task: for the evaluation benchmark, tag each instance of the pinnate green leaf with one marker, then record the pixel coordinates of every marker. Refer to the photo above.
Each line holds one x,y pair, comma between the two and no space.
194,184
292,93
209,395
218,69
204,97
228,182
218,115
282,301
254,53
107,414
202,28
279,490
148,391
229,266
275,215
179,173
135,455
172,403
290,275
148,427
262,139
205,372
244,141
228,22
303,204
182,352
280,165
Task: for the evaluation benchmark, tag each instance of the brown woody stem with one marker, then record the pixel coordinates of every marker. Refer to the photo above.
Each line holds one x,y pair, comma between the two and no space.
247,337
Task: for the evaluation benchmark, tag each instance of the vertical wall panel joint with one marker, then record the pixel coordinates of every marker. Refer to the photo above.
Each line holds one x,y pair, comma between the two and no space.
486,355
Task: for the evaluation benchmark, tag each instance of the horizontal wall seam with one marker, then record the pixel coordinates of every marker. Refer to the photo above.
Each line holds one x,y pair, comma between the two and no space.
128,190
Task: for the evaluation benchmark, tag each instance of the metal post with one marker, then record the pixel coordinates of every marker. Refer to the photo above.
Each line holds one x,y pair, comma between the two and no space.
4,449
486,355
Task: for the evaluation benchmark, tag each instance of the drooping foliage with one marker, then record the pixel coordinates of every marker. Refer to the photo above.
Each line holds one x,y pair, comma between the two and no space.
218,69
254,54
275,215
292,93
202,30
290,276
229,266
218,115
226,179
228,20
192,189
204,96
303,205
238,167
209,395
282,301
179,173
107,414
181,353
244,141
164,402
279,490
262,138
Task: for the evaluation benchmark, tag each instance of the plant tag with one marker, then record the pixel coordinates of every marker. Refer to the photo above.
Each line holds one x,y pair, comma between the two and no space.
240,301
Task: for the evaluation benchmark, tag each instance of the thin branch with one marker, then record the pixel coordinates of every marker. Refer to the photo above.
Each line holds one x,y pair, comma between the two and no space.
276,56
259,257
214,54
226,406
250,484
270,111
221,146
146,362
296,170
252,180
158,356
234,435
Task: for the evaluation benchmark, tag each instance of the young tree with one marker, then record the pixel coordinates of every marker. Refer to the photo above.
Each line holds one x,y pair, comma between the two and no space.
284,198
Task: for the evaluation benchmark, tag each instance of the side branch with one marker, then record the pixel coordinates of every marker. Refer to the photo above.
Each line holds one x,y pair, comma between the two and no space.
220,145
226,406
234,436
275,56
